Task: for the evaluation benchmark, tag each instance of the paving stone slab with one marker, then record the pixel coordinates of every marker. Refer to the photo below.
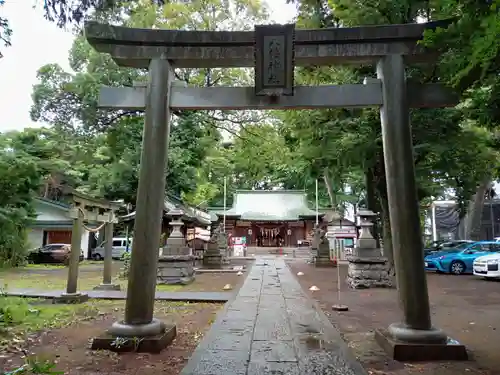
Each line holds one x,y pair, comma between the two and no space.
272,326
273,351
212,362
238,315
231,340
274,368
249,292
268,301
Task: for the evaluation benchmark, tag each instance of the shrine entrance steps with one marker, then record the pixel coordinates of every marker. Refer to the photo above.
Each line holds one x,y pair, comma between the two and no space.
272,327
298,252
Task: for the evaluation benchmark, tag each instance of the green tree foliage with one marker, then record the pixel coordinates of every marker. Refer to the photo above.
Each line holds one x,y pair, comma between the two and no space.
111,139
19,180
450,152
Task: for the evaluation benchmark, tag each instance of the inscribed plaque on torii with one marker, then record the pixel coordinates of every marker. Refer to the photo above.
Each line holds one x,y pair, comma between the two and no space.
274,60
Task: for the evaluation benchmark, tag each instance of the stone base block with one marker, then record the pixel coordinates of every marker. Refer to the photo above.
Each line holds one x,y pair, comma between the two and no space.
175,280
150,344
212,261
71,298
324,262
107,287
402,351
174,270
366,273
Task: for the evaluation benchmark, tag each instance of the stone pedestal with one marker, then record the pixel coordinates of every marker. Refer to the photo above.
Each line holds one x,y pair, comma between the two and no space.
140,338
175,269
368,272
68,298
107,287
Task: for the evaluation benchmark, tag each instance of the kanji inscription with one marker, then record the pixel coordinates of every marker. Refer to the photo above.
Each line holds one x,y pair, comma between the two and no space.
274,70
274,57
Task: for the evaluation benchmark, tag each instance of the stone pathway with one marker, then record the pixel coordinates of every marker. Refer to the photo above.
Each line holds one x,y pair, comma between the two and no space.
113,294
272,327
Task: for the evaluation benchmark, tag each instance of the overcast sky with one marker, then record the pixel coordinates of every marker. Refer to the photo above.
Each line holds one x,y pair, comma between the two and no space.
37,42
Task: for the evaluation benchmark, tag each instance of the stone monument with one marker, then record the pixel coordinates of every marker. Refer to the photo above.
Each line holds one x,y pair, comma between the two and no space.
176,263
213,258
322,258
367,267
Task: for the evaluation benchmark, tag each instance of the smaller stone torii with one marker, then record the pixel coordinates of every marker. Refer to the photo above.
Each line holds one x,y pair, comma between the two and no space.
273,51
90,210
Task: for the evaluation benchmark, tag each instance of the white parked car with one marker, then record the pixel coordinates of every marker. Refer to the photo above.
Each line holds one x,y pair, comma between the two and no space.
119,248
487,266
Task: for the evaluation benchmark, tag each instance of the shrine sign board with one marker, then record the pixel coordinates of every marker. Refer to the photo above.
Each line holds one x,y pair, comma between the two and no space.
274,60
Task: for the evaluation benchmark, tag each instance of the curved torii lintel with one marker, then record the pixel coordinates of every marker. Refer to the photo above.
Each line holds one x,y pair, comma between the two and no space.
135,47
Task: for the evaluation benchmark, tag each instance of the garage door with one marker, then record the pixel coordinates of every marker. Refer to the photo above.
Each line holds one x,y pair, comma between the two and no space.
59,236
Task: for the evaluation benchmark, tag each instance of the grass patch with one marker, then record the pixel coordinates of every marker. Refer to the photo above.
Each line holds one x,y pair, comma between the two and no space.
56,280
32,266
21,316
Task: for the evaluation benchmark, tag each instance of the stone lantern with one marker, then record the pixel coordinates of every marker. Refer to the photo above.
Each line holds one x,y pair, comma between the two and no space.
176,264
367,267
366,244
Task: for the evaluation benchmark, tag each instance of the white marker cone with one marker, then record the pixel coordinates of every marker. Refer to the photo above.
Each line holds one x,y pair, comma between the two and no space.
314,288
300,273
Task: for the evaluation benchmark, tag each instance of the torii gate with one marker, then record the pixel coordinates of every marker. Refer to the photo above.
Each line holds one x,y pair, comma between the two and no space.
273,51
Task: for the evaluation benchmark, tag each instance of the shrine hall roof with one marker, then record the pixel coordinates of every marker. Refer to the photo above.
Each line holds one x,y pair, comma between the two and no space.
270,205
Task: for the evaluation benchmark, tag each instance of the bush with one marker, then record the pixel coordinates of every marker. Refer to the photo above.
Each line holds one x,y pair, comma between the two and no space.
126,265
13,244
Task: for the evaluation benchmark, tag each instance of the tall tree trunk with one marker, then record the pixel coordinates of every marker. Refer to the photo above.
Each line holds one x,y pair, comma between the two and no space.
329,189
475,212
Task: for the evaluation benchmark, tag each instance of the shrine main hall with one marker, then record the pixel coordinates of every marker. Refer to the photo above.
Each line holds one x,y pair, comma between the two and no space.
268,218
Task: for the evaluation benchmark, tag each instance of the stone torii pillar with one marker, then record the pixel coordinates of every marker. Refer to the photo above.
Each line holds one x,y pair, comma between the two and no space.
88,209
107,276
139,322
414,338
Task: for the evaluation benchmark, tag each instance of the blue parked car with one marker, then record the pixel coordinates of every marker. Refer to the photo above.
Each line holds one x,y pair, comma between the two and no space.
459,259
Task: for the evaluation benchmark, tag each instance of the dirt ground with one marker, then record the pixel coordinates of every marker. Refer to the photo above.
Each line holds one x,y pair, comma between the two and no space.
90,275
465,307
69,347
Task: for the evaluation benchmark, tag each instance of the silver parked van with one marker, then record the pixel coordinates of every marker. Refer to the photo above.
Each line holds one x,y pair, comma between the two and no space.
119,248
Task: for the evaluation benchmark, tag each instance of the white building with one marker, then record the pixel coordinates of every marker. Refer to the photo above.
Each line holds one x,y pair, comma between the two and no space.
52,225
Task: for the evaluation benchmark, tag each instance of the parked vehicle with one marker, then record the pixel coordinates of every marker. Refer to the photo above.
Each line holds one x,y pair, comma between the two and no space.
119,248
460,259
487,266
52,253
443,245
